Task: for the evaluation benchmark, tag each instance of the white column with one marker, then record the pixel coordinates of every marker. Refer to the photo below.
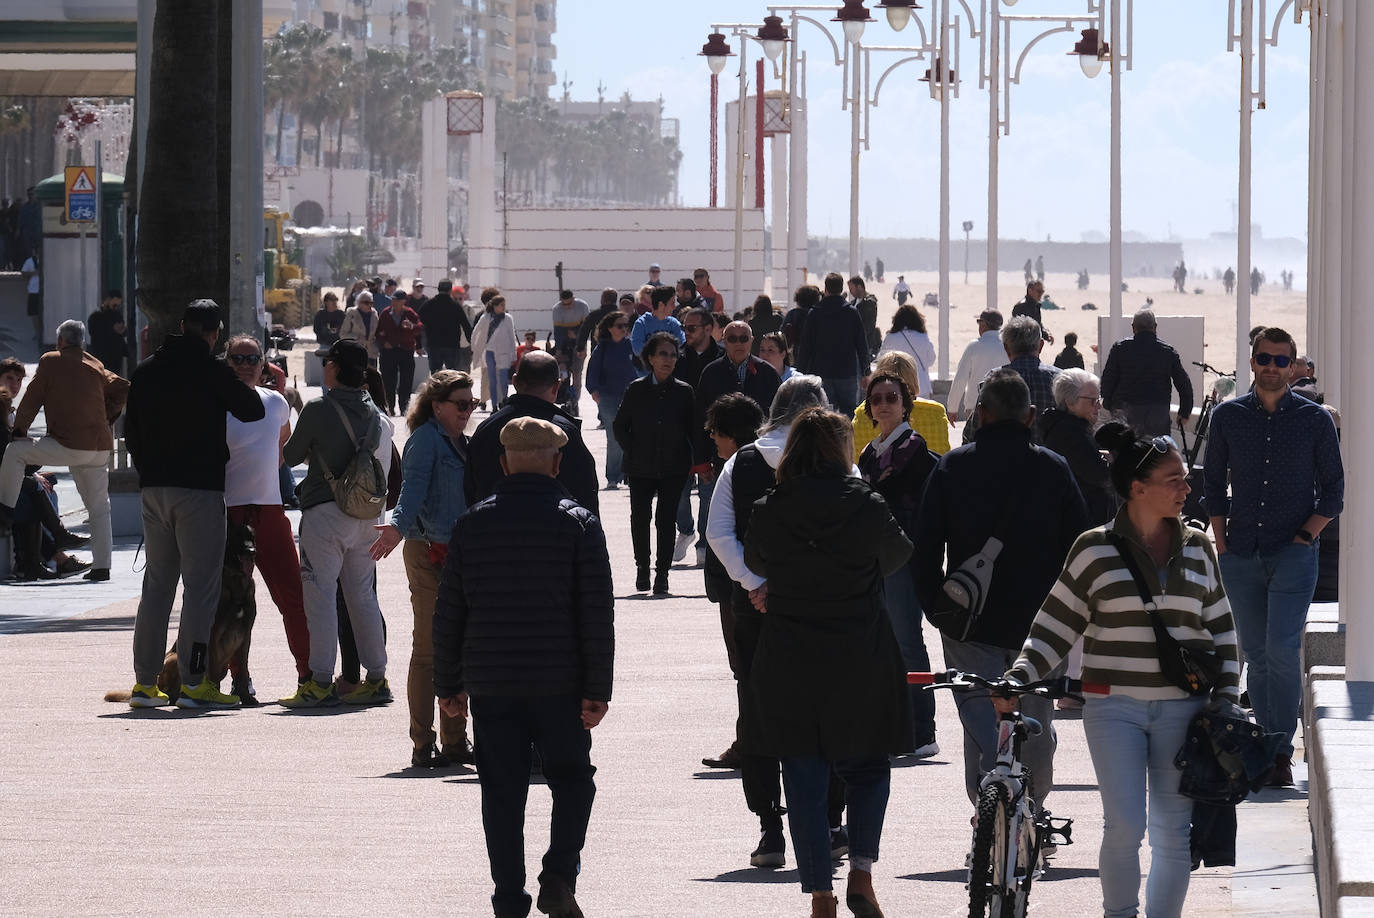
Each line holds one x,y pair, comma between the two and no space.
1332,202
780,192
1357,522
246,314
434,191
994,40
1118,50
856,103
797,211
483,254
946,88
1247,67
1315,101
741,120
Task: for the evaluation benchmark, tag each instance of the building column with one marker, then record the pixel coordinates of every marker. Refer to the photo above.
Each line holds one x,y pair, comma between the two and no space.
780,192
434,191
247,312
484,229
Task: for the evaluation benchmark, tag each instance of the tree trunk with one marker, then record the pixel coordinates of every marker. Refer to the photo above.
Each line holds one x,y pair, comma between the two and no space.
178,240
224,151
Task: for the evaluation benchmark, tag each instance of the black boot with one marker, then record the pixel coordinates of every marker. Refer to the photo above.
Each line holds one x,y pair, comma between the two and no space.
28,560
642,579
661,583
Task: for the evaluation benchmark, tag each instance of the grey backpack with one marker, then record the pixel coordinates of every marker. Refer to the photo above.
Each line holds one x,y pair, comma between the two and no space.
360,489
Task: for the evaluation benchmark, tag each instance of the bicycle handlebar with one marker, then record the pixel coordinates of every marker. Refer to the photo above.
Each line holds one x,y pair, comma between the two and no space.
1207,367
1062,687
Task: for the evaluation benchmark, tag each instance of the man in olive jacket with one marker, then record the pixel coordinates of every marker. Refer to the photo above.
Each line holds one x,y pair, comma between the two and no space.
524,630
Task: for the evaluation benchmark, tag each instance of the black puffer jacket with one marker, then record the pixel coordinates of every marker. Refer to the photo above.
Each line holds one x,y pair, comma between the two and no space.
1072,437
1139,371
525,606
577,474
654,428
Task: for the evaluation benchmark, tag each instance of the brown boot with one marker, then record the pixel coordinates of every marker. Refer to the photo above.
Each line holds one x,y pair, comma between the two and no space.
860,897
824,906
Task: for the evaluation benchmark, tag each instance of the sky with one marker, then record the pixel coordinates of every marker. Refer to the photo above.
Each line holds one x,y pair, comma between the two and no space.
1180,121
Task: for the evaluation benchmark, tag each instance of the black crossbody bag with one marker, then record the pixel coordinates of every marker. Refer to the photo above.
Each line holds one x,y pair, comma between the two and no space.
1195,671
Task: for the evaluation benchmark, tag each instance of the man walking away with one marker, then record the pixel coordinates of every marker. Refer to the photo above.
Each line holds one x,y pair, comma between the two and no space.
80,400
983,355
1136,379
867,305
1022,342
902,291
1000,485
1281,455
446,326
524,631
176,434
834,347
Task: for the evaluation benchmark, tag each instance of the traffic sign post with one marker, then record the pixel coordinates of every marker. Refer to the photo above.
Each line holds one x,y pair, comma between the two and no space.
81,194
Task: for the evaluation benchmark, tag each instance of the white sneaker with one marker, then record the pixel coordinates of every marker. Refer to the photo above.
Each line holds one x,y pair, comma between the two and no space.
927,751
684,542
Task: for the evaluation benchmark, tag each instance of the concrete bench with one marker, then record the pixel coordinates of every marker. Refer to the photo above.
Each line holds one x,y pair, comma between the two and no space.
1339,727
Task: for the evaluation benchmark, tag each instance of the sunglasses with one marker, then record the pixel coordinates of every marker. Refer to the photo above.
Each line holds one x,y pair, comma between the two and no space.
1095,399
738,339
1279,360
1159,445
692,327
251,359
463,404
885,398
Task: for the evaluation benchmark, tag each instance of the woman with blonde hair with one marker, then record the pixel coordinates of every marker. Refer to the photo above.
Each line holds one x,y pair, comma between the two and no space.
926,417
430,503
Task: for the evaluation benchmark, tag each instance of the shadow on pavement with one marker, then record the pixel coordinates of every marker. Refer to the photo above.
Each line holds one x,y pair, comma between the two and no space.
165,713
1075,787
20,624
416,772
716,774
941,876
907,761
752,875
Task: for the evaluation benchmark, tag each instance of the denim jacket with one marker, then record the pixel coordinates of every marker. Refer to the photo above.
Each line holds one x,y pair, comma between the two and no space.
431,484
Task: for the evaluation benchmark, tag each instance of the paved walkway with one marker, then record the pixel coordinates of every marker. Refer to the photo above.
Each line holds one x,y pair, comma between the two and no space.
267,812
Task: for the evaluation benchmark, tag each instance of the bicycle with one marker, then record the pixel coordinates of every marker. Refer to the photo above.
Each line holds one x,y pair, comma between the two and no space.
1011,829
1222,389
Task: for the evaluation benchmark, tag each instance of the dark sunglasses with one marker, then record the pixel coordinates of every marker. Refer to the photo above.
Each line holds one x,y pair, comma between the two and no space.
463,404
251,359
738,339
693,327
1279,360
1159,445
885,398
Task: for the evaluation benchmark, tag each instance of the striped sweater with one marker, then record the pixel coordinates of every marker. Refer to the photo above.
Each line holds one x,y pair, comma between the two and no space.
1095,597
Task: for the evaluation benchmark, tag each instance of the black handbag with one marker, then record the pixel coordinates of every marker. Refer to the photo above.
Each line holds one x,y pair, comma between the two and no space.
1197,672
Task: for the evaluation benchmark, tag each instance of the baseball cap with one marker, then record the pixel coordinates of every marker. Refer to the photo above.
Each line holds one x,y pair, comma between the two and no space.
348,353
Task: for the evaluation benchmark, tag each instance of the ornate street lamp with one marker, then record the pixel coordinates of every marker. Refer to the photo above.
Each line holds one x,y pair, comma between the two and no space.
898,12
716,50
938,78
854,17
1091,51
773,37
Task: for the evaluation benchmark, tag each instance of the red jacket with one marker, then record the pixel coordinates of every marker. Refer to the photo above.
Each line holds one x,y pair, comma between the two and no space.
390,330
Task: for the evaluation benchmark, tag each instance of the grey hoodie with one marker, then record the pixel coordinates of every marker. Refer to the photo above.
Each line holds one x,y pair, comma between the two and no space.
320,437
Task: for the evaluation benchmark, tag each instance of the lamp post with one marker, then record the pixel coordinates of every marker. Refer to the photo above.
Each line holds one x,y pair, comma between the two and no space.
968,228
853,17
1252,46
715,59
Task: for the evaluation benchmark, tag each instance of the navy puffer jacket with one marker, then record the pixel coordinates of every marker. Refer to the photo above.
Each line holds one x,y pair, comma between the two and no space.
525,606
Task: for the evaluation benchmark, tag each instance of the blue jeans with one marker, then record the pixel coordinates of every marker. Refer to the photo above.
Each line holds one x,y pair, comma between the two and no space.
1270,593
504,729
843,393
705,489
980,719
606,410
499,381
1133,744
904,611
867,782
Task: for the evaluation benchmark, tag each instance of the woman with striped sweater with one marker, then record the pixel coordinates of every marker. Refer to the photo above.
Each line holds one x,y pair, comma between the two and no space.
1134,732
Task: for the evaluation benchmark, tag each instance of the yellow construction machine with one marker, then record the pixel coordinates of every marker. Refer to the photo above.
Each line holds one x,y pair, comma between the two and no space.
292,298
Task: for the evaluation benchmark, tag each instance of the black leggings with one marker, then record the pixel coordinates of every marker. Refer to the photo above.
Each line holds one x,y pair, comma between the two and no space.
642,493
349,667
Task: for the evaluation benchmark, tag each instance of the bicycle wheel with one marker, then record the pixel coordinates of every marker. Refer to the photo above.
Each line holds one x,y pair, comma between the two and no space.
1027,854
985,893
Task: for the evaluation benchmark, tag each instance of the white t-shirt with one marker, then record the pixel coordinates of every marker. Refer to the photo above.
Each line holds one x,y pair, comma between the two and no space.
250,476
32,270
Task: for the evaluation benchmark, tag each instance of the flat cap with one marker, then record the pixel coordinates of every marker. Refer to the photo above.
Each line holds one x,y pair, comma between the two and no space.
531,434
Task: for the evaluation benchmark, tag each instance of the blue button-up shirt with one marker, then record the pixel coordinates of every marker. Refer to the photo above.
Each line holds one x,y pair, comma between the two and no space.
1283,467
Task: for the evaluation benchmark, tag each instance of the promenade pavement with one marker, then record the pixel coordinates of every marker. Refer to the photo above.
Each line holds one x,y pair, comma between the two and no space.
109,811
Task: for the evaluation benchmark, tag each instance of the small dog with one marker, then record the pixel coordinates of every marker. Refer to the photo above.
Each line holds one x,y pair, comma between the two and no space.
232,632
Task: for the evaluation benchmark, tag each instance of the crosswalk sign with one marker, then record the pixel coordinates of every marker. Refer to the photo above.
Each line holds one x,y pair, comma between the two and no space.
81,194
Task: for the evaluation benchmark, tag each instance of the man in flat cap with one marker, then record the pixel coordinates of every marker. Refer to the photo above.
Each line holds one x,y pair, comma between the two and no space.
524,632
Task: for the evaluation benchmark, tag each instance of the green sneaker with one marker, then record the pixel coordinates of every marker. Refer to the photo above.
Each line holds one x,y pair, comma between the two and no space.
148,696
370,692
311,694
205,696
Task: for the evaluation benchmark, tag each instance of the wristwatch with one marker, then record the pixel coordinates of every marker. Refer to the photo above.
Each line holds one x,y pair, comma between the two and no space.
1305,535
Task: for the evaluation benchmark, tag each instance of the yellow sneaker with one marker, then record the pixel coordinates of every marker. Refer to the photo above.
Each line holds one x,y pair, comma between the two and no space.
311,694
205,696
148,696
370,692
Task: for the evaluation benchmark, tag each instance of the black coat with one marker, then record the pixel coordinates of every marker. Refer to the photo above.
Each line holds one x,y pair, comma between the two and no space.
760,383
525,606
827,678
961,506
577,474
690,364
174,421
654,428
1139,371
833,344
445,321
1072,437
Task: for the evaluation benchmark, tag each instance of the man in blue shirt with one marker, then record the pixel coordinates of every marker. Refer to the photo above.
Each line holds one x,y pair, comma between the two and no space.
660,320
1283,460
